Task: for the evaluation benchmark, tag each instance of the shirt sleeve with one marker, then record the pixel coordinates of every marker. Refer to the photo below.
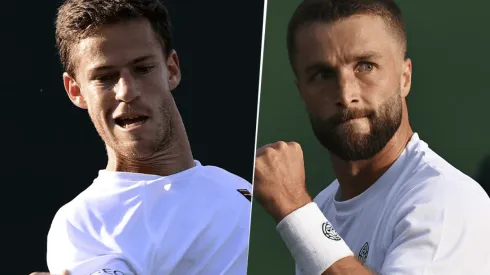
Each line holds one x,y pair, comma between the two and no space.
105,264
444,234
68,248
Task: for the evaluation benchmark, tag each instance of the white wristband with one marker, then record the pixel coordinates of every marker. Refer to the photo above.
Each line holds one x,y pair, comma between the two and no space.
311,239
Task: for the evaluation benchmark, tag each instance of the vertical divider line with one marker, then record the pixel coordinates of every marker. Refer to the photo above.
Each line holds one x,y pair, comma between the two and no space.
264,20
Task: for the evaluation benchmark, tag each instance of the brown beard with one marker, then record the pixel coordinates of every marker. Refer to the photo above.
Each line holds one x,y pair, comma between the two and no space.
344,140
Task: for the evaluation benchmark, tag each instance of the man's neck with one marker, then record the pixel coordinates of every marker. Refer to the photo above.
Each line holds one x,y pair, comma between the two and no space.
173,158
357,176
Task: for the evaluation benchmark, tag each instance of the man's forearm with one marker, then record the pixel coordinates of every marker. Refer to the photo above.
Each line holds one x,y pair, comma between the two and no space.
348,266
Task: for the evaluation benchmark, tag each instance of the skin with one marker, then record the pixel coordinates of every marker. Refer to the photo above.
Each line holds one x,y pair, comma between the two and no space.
367,69
122,70
46,273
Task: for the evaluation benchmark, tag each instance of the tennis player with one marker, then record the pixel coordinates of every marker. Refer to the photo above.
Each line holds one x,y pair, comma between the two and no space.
396,207
153,209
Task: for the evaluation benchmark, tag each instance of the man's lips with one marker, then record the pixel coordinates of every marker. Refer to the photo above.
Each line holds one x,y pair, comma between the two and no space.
348,116
351,119
130,121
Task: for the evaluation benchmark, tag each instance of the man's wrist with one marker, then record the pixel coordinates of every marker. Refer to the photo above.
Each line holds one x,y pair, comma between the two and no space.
287,208
312,240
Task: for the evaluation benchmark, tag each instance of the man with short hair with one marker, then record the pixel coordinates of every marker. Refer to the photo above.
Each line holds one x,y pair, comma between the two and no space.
154,209
396,207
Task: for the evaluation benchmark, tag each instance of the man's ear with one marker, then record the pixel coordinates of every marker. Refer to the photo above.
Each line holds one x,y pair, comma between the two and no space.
406,81
73,90
173,68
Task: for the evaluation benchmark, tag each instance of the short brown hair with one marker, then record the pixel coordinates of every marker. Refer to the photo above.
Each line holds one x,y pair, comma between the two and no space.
78,19
327,11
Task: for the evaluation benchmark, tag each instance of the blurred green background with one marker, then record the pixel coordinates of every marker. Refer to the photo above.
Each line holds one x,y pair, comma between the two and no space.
449,45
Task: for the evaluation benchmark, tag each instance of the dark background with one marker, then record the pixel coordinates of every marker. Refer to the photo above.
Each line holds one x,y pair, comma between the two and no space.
448,42
51,152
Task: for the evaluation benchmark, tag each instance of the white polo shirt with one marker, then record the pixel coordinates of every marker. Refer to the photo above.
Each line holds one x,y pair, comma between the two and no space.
193,222
422,217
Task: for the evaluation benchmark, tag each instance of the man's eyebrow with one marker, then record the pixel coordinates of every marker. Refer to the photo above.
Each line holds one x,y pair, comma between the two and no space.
319,66
142,58
369,55
109,67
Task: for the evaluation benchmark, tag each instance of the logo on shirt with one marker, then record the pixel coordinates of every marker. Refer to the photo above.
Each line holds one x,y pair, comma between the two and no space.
329,232
245,193
363,253
108,271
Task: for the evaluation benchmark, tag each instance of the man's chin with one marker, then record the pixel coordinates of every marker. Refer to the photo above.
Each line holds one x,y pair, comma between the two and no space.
134,150
352,146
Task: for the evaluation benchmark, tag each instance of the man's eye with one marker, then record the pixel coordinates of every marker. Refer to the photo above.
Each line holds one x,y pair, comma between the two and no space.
106,77
323,76
144,69
365,67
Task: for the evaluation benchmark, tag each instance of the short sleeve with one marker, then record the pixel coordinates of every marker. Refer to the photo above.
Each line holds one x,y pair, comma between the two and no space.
68,248
441,234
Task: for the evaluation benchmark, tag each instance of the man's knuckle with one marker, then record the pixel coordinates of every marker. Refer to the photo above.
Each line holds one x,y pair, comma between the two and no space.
295,145
281,145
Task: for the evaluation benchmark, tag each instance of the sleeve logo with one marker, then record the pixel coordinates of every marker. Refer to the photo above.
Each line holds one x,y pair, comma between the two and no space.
245,193
329,232
109,271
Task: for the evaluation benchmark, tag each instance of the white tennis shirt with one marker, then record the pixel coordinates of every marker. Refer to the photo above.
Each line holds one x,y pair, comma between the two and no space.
422,217
193,222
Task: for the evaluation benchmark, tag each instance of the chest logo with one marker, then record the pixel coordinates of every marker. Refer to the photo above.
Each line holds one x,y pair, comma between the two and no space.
363,253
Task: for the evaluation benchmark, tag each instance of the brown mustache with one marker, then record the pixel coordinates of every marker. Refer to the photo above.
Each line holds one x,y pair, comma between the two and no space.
131,108
349,114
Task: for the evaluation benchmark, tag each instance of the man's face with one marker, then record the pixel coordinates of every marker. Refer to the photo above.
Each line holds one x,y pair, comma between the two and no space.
124,80
353,79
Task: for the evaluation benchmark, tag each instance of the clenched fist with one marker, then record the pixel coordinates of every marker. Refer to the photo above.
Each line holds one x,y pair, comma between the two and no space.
279,181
